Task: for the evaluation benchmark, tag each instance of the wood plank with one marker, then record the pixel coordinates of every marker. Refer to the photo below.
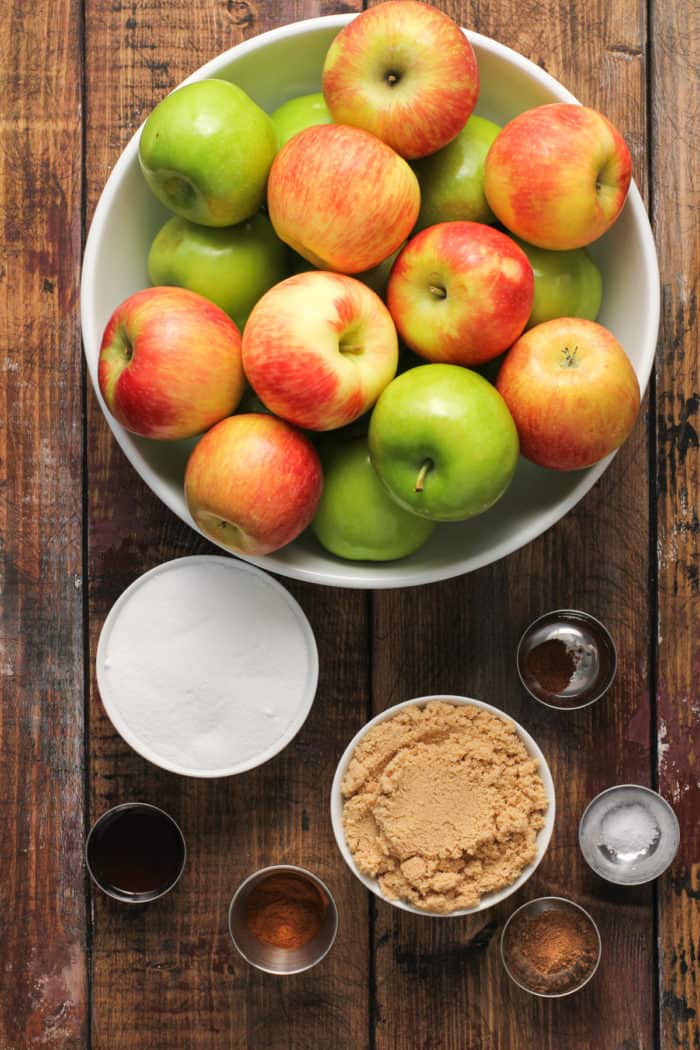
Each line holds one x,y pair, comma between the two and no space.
179,981
440,984
675,40
43,980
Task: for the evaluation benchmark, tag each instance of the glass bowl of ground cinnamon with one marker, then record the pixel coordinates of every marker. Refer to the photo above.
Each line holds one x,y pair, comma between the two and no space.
566,659
283,919
550,947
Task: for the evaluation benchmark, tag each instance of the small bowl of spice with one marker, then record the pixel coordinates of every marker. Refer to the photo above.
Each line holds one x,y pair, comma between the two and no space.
283,919
566,659
550,947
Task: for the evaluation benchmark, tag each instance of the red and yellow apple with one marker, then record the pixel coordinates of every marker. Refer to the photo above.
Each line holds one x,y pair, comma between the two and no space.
319,348
404,71
572,392
253,483
170,363
341,198
558,175
460,293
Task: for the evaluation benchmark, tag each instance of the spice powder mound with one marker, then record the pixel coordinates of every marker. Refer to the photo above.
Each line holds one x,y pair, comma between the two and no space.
285,910
552,952
442,805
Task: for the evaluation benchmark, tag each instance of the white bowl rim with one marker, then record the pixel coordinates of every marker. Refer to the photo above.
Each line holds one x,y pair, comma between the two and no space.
385,575
149,753
544,835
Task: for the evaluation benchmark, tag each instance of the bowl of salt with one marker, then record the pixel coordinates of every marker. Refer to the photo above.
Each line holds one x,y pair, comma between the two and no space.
629,834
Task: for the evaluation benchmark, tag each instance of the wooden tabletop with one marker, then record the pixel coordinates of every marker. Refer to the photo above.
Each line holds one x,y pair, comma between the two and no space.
77,526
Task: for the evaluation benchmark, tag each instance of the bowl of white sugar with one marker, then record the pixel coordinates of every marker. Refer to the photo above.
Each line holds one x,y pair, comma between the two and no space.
207,666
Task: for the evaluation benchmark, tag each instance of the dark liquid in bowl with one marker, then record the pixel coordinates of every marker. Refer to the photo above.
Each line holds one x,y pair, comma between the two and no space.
136,852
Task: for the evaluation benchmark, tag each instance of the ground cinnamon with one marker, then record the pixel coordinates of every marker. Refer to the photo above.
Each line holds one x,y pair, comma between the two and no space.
550,666
285,910
553,951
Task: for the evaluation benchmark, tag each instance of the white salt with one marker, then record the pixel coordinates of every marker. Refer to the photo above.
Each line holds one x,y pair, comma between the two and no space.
628,829
207,664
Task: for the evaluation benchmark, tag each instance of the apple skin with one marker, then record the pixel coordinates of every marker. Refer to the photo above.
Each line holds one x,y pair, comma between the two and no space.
206,151
341,198
460,293
404,71
377,278
558,176
572,391
567,284
319,348
452,180
297,114
253,483
356,518
170,364
232,265
443,442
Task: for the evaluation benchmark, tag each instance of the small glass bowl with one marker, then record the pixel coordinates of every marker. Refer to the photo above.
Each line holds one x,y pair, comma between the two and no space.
632,867
536,907
595,655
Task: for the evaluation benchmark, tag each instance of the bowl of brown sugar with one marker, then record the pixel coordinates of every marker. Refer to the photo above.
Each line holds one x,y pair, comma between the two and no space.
442,805
550,947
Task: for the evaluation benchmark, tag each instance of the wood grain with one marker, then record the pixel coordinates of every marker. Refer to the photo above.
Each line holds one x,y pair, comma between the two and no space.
173,962
676,202
441,985
43,987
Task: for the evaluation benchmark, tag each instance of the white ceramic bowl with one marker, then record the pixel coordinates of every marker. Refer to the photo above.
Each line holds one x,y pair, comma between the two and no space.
272,68
543,836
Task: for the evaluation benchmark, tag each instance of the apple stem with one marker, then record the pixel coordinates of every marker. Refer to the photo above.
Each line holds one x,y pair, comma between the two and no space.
393,78
345,349
438,291
570,357
422,473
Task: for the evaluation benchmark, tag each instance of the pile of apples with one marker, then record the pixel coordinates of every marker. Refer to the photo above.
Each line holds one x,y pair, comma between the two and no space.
377,228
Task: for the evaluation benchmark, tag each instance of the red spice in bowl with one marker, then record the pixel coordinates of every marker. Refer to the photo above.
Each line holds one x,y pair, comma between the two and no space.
550,947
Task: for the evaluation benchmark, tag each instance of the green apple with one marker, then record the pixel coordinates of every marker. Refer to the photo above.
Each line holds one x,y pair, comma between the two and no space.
233,265
205,151
452,180
567,284
299,113
443,442
356,518
377,278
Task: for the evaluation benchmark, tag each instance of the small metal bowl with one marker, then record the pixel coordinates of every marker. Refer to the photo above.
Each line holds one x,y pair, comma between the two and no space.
268,957
536,907
101,826
636,864
592,649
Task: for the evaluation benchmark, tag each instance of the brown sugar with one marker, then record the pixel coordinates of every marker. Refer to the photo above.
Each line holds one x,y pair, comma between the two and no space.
443,805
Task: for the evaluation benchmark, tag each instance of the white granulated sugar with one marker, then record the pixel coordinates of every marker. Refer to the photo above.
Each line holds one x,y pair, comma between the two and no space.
206,665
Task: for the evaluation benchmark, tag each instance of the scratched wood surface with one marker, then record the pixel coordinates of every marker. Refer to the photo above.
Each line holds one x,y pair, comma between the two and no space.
43,985
165,975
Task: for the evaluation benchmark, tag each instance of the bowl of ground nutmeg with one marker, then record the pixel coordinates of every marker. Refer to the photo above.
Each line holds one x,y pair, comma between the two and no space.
442,805
550,947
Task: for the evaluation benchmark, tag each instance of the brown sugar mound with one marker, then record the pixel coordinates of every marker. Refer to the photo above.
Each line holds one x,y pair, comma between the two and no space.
443,805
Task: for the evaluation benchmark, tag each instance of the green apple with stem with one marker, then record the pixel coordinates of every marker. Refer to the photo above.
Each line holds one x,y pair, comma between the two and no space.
233,266
452,180
356,518
298,113
206,150
443,442
567,284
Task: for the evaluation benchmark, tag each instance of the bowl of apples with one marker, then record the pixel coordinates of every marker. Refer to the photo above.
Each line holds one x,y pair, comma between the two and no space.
370,301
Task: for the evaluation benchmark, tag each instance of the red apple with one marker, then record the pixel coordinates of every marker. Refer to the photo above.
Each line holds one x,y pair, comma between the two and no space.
404,71
341,198
460,293
558,175
253,483
572,392
170,363
319,348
